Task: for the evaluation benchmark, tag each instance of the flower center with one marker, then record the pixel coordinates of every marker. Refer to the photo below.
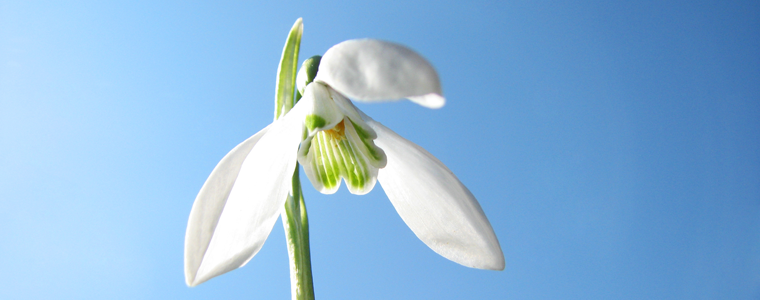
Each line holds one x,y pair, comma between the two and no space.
341,153
338,144
338,132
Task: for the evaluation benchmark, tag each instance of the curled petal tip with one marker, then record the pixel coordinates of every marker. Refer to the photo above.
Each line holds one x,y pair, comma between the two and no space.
432,100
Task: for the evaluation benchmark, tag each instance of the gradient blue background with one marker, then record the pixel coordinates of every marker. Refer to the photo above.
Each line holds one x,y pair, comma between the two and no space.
613,146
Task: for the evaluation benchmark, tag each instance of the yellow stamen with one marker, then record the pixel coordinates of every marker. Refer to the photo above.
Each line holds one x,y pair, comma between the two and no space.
338,132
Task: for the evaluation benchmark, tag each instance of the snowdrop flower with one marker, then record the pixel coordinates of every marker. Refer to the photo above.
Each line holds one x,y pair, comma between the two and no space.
333,140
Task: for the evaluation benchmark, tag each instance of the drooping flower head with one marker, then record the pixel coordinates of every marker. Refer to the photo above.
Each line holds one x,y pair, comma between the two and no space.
334,141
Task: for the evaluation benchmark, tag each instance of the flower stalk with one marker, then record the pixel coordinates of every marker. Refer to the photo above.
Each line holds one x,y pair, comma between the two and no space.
294,217
296,224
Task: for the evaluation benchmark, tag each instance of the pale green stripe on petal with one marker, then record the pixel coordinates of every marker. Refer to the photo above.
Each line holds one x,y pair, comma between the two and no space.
328,183
329,164
339,153
364,134
317,165
337,156
374,154
353,174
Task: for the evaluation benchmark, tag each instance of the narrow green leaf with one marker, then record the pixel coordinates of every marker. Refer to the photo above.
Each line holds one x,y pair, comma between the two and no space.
286,71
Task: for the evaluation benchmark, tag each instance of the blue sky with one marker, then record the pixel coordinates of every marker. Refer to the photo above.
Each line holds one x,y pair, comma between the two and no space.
613,146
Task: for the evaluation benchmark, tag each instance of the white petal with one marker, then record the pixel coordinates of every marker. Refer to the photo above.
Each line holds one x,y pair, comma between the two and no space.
321,111
431,100
438,208
366,146
372,70
349,110
251,209
210,201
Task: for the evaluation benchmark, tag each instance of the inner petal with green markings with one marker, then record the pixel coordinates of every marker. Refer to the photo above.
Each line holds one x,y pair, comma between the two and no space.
339,144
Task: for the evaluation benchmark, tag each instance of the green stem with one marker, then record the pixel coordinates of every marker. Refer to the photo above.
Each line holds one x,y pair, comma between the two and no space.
296,224
294,217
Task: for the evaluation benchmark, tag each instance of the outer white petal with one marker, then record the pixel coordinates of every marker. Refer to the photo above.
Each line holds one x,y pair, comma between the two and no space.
209,203
372,70
225,238
438,208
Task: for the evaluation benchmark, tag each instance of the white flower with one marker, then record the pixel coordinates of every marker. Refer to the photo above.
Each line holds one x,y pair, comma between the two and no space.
242,198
